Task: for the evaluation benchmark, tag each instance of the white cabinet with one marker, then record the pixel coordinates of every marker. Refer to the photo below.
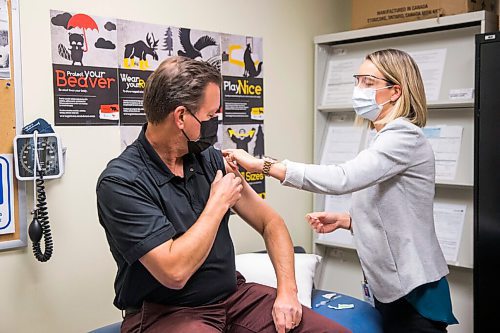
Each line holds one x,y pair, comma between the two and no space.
445,51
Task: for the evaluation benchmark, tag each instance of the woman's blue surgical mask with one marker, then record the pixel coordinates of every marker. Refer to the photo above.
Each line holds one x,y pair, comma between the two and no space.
365,104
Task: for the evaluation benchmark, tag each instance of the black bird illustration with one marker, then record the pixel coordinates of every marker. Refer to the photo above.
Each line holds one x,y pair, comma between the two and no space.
190,50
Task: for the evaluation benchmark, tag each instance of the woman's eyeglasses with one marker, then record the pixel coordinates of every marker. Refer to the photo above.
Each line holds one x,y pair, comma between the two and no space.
366,80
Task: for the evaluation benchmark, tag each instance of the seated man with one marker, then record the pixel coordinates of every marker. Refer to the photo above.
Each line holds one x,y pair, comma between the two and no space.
164,204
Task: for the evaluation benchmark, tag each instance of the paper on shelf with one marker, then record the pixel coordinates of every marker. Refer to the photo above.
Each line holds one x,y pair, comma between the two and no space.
463,94
341,144
431,65
446,142
337,203
339,81
449,222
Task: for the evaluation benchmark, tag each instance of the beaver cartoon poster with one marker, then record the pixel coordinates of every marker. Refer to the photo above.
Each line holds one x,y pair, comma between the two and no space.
84,69
101,65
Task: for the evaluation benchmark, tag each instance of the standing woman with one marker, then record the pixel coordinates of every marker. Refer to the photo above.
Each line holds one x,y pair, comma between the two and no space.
392,186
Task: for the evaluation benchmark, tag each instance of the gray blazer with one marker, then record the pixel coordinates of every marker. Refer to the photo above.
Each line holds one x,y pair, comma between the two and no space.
392,207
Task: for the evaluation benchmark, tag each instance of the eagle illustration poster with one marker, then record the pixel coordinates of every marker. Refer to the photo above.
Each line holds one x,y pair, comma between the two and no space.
144,46
200,45
141,49
84,69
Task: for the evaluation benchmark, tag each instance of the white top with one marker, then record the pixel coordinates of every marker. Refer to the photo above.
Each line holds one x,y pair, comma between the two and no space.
391,207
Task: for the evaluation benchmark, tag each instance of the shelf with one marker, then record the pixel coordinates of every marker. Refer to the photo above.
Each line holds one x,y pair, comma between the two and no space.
444,106
451,105
352,248
335,108
331,244
486,20
451,38
450,184
347,247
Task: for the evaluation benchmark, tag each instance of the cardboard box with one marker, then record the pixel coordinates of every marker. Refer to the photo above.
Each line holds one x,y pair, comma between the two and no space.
372,13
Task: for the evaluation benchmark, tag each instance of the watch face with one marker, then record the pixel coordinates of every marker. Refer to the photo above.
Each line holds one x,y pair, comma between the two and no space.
47,154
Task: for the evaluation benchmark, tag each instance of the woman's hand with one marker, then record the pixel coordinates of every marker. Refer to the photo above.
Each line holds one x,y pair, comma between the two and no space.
244,159
324,222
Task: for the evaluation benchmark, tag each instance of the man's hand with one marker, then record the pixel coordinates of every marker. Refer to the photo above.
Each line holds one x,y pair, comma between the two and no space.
324,222
287,312
241,157
226,189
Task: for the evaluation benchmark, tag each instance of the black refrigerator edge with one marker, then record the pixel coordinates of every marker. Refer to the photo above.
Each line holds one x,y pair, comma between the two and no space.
487,182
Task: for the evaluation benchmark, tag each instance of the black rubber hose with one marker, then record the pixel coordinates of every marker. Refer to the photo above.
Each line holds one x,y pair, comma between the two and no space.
40,227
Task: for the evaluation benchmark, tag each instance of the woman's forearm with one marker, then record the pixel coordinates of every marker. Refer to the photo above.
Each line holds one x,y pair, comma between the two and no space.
278,171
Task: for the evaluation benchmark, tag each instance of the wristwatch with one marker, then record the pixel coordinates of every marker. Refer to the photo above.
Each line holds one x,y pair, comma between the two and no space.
268,162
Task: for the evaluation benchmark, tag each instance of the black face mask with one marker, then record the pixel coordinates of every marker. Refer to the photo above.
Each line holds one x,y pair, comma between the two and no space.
208,135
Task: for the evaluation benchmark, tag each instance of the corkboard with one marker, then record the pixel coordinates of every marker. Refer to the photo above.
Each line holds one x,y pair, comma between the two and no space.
9,117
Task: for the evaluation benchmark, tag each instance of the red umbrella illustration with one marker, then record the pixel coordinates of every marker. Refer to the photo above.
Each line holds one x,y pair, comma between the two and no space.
83,22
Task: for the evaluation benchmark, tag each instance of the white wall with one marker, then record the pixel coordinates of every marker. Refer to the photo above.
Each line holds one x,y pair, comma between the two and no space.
73,292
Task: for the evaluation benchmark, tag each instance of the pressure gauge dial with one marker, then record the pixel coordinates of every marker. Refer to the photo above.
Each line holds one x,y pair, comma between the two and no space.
49,152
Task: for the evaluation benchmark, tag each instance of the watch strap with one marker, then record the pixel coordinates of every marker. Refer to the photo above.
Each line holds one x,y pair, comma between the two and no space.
268,162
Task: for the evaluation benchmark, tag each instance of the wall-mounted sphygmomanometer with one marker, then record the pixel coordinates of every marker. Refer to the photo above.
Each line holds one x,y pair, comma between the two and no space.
38,155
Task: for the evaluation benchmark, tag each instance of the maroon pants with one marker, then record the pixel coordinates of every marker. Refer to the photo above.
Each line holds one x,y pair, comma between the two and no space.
248,310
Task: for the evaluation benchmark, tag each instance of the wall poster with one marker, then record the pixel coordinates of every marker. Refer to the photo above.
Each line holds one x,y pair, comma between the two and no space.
84,69
243,100
4,41
100,67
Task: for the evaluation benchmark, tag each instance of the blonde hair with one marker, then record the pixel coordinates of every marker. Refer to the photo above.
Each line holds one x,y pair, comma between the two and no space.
399,68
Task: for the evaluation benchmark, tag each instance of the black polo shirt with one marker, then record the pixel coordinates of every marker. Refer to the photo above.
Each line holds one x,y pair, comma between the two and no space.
141,205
